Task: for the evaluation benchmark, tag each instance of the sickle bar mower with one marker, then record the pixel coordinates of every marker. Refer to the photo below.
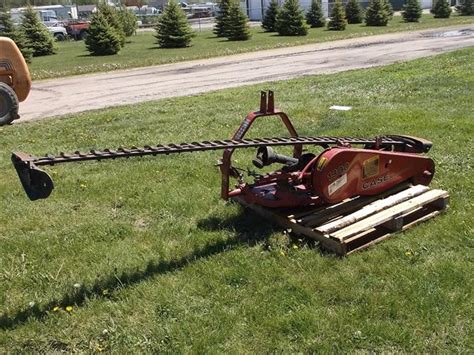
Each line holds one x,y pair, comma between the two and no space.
361,169
339,172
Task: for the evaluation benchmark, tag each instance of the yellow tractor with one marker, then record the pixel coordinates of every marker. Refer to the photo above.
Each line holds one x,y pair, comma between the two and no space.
15,81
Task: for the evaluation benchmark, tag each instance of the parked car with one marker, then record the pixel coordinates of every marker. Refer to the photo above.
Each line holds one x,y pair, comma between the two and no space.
58,32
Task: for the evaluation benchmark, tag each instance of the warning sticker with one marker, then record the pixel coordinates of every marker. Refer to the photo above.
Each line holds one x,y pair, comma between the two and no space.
370,167
337,184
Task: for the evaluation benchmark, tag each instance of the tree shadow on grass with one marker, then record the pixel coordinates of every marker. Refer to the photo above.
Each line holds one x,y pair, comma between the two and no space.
90,55
248,229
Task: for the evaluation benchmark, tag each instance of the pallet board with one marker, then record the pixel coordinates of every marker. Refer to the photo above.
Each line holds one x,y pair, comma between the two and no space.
359,222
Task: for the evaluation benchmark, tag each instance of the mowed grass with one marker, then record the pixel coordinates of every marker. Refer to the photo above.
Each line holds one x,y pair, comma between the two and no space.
150,259
73,58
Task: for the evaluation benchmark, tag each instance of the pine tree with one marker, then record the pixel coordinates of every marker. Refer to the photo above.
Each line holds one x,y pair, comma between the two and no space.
441,9
354,12
113,19
40,41
7,29
315,16
290,20
465,7
338,21
388,8
173,29
221,18
411,11
237,25
376,13
102,38
269,20
128,21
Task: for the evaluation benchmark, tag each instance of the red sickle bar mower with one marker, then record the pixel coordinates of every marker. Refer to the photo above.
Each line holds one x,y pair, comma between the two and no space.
346,168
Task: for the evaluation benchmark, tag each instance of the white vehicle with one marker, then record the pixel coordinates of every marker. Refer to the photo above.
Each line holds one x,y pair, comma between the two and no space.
58,32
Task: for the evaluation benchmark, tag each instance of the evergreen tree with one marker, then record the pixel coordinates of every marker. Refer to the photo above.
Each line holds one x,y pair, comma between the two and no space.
40,41
354,12
7,29
441,9
173,29
102,38
338,21
222,18
465,7
128,21
315,16
388,8
269,20
290,20
376,13
411,11
237,25
112,17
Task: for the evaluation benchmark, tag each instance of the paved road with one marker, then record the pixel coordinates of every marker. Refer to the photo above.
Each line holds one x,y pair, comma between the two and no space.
82,93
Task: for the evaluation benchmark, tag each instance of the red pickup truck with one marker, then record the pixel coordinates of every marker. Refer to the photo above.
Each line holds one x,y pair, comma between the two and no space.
77,30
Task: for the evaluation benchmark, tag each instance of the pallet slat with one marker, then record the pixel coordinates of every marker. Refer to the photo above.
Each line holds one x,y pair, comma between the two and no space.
389,214
359,222
373,208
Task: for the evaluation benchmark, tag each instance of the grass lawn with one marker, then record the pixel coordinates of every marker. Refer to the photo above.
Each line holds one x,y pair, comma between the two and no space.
73,58
149,258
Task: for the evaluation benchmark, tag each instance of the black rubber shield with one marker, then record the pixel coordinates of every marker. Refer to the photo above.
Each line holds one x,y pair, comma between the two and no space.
8,105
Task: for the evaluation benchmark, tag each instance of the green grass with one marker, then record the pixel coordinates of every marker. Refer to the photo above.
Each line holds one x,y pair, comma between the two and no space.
73,58
150,258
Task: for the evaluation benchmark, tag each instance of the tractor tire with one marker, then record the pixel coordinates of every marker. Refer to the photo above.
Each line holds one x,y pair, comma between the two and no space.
8,105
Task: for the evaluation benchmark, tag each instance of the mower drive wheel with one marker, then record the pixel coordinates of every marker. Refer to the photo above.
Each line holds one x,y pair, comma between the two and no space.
8,105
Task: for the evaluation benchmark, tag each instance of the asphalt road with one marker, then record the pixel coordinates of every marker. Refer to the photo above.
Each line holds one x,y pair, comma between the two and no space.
81,93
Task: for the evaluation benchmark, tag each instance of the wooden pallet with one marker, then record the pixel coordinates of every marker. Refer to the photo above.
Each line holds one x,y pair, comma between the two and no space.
359,222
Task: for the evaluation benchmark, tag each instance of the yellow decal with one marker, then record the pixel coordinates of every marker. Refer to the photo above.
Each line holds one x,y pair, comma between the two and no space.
322,163
370,167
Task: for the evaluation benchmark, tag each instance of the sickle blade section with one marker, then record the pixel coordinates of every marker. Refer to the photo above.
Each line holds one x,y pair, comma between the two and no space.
36,182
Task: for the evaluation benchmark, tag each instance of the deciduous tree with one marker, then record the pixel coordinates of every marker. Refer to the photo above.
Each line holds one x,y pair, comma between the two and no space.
129,21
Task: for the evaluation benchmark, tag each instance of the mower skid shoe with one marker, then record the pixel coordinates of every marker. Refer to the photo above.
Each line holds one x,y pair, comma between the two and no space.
413,144
36,182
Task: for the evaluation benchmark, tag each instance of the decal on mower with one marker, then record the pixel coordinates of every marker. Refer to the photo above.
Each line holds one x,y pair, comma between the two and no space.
322,163
370,167
341,169
373,183
243,128
337,184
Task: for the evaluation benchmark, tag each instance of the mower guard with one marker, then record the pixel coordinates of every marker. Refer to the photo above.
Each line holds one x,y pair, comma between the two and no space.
36,182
